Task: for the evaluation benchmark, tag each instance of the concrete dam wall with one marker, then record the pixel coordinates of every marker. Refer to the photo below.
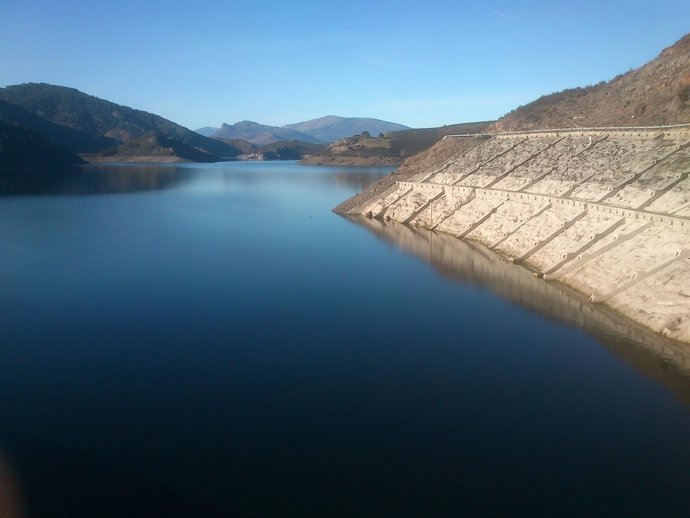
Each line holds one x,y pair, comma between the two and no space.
605,211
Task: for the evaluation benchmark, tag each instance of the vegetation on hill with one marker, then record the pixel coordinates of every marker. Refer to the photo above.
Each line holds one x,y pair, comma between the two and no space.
24,149
70,108
389,148
288,150
69,138
153,145
657,93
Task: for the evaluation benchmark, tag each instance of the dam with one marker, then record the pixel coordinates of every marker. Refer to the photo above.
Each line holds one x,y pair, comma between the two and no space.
604,211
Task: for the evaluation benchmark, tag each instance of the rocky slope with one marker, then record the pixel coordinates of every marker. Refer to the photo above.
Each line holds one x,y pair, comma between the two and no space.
655,94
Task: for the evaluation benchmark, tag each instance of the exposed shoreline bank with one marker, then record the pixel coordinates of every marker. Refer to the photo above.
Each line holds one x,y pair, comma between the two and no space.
604,212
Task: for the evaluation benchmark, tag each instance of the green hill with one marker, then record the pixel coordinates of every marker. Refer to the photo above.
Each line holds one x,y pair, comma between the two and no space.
288,150
69,138
24,149
70,108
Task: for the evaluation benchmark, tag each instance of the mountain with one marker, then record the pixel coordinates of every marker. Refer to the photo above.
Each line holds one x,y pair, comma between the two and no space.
260,134
332,127
25,149
655,94
75,110
322,130
242,145
206,131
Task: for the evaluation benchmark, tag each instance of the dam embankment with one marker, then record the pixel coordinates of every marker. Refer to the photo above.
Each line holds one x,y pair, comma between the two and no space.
604,211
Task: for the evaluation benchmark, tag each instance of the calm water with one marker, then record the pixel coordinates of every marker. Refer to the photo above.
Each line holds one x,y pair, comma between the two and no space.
200,340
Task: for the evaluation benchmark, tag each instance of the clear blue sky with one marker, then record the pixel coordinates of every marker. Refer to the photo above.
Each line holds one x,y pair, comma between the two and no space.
423,64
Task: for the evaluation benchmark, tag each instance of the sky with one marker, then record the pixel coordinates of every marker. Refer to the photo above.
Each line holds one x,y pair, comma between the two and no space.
419,63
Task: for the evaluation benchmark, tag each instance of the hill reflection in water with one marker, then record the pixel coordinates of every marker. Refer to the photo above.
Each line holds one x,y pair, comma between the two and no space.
102,179
656,357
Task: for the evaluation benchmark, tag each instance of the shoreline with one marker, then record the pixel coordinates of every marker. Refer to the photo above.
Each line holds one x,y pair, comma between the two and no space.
602,212
144,159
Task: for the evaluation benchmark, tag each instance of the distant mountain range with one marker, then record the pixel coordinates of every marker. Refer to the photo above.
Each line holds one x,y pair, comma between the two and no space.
322,130
81,123
259,134
332,127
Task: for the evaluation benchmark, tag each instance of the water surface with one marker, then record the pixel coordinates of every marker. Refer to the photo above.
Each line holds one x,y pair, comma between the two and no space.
210,340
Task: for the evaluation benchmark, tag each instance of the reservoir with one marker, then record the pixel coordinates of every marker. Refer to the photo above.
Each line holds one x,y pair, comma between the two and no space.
211,340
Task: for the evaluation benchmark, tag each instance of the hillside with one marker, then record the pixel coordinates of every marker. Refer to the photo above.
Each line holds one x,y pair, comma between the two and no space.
68,138
391,148
70,108
655,94
332,127
259,134
153,147
288,150
24,149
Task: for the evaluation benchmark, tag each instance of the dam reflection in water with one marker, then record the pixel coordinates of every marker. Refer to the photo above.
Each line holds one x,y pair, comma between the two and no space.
661,359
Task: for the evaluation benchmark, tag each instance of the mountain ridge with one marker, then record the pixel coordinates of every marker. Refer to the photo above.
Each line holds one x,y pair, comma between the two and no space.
332,127
260,134
318,131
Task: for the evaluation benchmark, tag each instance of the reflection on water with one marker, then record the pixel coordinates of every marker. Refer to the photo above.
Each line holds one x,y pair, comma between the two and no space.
100,179
360,180
130,178
657,357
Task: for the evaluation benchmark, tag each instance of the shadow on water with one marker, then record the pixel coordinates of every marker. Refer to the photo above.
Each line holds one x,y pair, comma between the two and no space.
656,357
93,180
